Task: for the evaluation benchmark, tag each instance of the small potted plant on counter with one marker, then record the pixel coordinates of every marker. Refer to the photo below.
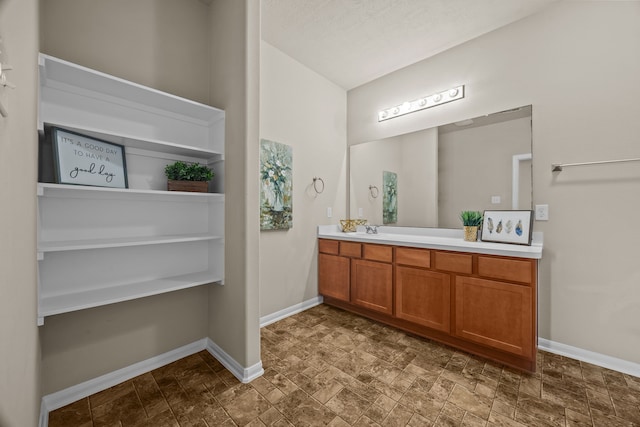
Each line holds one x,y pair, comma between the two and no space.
188,177
471,220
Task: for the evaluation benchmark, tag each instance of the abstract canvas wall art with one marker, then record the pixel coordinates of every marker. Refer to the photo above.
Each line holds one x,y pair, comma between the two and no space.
276,186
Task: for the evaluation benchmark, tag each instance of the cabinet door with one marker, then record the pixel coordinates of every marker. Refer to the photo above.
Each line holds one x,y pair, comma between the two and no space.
372,285
333,276
496,314
423,297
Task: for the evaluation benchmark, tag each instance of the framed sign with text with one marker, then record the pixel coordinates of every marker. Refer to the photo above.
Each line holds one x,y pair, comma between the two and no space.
83,160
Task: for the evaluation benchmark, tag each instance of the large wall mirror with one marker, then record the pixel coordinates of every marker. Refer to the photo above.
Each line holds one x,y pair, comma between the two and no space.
475,164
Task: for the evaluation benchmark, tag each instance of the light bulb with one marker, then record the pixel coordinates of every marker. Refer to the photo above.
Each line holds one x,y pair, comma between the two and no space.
453,92
437,97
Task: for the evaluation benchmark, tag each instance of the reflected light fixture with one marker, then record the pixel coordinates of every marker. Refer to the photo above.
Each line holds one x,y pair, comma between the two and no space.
422,103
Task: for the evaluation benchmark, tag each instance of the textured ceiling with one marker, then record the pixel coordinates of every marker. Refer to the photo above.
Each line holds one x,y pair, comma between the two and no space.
352,42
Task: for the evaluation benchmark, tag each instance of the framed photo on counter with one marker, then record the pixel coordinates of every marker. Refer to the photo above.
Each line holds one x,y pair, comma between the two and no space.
513,227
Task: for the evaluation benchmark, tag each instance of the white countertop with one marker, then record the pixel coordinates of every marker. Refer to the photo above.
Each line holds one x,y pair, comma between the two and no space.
434,238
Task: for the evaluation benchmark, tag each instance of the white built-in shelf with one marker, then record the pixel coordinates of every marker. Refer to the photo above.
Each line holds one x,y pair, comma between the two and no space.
88,298
60,74
156,145
100,245
122,242
76,97
85,191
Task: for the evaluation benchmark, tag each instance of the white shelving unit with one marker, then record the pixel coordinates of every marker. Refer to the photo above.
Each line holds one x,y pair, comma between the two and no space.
100,245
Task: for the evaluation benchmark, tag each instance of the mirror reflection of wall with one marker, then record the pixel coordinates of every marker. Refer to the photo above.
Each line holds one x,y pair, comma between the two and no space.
442,171
475,163
414,157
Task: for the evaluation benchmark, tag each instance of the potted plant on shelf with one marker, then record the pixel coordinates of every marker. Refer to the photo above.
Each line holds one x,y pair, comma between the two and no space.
188,177
471,220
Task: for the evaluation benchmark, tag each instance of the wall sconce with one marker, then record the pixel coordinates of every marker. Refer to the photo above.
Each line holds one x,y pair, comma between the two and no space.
422,103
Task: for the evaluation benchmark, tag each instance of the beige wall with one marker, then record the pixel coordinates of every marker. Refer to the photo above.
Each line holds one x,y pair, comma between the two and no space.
83,345
235,49
158,43
304,110
19,348
418,181
132,40
476,164
577,63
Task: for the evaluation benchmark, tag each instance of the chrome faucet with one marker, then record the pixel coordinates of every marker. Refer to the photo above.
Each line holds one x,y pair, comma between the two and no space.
371,229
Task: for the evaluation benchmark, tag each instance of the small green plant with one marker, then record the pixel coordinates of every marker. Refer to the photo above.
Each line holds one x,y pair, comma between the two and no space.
181,171
471,218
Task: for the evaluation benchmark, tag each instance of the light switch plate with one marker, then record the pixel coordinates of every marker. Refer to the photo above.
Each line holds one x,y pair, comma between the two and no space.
329,212
495,200
542,212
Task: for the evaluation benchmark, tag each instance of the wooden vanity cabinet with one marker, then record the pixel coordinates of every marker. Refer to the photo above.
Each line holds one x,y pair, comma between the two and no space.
423,297
333,276
495,314
361,274
483,304
372,279
498,313
333,271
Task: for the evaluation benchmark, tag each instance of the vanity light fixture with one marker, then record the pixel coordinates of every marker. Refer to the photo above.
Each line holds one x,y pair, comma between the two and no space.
422,103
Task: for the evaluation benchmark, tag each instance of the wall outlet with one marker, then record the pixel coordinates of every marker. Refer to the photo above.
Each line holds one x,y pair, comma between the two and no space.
360,213
542,212
329,212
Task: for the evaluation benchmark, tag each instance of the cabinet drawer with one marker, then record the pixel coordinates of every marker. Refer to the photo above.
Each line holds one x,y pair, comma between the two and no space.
351,249
508,269
413,257
328,247
378,253
456,263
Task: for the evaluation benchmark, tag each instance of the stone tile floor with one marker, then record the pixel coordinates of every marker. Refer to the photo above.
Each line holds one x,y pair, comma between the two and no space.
328,367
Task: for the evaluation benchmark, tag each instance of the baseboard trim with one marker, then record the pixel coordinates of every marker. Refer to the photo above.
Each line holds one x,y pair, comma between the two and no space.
61,398
44,415
245,375
594,358
69,395
290,311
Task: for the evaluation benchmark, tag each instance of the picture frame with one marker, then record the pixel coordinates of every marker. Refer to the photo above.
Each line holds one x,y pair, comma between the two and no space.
508,226
276,185
389,197
83,160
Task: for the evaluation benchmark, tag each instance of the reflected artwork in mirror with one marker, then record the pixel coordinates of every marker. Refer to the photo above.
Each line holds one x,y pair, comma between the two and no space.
483,163
390,200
